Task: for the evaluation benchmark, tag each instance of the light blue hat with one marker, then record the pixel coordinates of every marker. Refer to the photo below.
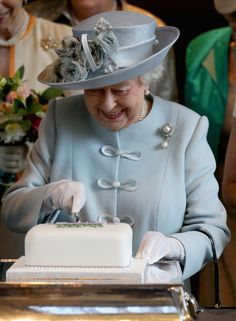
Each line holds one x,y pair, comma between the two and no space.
109,48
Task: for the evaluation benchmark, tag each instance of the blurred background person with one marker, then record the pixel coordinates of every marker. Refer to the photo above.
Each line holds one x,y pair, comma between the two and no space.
72,12
28,41
210,89
229,176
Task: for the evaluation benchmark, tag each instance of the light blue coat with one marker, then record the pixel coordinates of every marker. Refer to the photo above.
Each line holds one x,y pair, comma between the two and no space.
172,190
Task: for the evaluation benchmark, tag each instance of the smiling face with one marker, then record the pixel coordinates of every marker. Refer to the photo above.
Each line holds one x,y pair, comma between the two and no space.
116,106
9,13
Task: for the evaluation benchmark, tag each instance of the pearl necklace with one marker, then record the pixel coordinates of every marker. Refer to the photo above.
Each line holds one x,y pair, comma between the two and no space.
13,40
144,110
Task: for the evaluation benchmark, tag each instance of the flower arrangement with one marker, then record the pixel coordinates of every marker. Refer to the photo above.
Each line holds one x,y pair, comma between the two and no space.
77,58
21,109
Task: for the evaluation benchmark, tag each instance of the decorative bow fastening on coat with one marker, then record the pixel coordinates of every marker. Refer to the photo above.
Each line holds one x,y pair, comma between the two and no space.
110,151
106,183
107,218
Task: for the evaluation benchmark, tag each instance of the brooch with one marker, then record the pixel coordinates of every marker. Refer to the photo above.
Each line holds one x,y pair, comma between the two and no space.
167,131
49,43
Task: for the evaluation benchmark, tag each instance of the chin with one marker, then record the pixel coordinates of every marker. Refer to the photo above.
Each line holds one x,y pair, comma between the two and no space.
112,127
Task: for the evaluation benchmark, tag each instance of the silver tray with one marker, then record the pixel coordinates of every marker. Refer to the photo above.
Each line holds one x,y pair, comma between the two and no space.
153,299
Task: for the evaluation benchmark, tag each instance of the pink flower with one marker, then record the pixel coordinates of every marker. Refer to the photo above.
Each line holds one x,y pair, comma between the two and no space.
11,96
23,91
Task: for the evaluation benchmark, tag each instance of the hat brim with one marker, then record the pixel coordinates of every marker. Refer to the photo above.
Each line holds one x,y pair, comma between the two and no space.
166,37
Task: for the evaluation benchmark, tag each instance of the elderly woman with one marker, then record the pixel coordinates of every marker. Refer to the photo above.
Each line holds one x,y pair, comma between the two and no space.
118,151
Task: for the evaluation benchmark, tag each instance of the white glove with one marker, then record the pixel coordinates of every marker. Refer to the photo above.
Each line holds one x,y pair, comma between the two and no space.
13,158
155,274
66,195
155,246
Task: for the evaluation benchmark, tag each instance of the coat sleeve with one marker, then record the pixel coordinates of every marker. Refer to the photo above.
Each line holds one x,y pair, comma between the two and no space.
22,202
204,211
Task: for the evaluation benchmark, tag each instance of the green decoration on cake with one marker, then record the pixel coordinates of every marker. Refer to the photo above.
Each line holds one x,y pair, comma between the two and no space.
79,225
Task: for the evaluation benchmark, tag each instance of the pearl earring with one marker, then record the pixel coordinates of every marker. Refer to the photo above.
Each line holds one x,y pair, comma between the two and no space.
146,92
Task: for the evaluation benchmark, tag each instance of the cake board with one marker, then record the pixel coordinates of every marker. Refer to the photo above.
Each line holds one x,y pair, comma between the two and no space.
19,272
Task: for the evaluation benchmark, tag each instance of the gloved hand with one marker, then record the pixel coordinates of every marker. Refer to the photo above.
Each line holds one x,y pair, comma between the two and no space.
155,246
66,195
13,158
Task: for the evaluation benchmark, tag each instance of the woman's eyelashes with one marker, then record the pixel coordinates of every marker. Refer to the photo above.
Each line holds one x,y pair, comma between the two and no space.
121,92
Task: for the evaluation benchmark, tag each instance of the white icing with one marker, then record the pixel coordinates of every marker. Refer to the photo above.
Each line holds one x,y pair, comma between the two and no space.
106,246
19,272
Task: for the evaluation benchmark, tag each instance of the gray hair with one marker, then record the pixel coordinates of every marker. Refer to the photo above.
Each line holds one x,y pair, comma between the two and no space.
151,75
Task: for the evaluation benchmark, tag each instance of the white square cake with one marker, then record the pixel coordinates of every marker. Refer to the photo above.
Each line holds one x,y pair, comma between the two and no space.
80,252
79,244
